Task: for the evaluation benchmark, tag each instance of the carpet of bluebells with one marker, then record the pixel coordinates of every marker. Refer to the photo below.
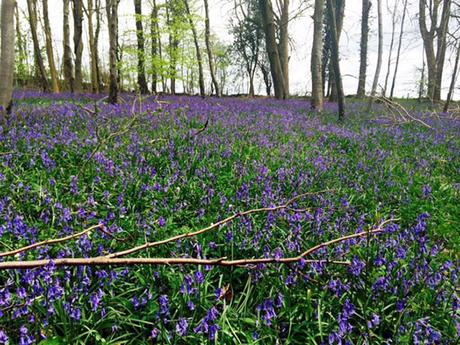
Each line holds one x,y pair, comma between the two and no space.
145,170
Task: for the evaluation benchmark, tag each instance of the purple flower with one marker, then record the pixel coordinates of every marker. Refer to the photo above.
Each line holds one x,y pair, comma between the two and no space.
356,266
3,337
181,327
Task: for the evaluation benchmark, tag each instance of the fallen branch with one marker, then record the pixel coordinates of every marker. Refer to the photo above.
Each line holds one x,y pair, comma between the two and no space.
402,112
106,261
102,261
48,242
213,226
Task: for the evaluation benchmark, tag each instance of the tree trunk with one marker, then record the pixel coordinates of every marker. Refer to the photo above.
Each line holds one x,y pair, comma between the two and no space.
43,81
207,38
366,7
284,44
78,42
67,56
197,49
92,48
49,48
141,81
272,49
390,50
380,50
155,33
316,57
100,82
112,21
6,57
398,53
339,16
22,74
335,57
453,79
434,59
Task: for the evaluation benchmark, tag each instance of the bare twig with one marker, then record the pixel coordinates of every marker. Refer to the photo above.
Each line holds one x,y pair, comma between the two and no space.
106,261
213,226
48,242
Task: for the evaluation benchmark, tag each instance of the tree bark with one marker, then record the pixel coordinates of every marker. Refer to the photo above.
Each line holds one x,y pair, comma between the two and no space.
100,82
284,44
141,80
49,48
272,49
155,33
390,50
197,49
112,22
92,48
67,56
366,7
398,53
42,78
207,38
434,57
316,57
78,43
339,12
380,50
6,57
452,80
335,57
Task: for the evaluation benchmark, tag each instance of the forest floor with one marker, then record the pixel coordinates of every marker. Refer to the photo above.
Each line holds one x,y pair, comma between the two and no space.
380,196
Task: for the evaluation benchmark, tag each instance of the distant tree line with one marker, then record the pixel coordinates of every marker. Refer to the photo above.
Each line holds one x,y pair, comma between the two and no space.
174,43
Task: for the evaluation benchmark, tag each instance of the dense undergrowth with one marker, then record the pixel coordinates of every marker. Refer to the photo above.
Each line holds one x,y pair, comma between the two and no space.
147,172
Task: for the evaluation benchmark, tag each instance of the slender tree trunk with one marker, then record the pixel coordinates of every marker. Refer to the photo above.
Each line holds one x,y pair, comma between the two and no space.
92,48
43,81
453,79
67,56
22,74
316,57
380,50
78,42
434,59
421,82
398,53
390,51
141,80
6,58
284,44
207,38
339,16
335,57
112,21
366,7
197,49
100,82
272,49
155,33
49,48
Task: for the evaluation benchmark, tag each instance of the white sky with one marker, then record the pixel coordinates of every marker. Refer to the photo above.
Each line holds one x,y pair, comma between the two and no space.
301,31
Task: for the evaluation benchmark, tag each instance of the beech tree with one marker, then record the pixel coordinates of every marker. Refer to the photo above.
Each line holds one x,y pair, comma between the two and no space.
434,41
78,43
316,57
67,56
39,64
335,60
6,57
207,37
141,80
112,22
366,7
272,49
49,48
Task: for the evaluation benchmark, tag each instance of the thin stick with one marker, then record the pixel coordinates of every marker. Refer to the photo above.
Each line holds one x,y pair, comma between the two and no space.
212,226
102,261
47,242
